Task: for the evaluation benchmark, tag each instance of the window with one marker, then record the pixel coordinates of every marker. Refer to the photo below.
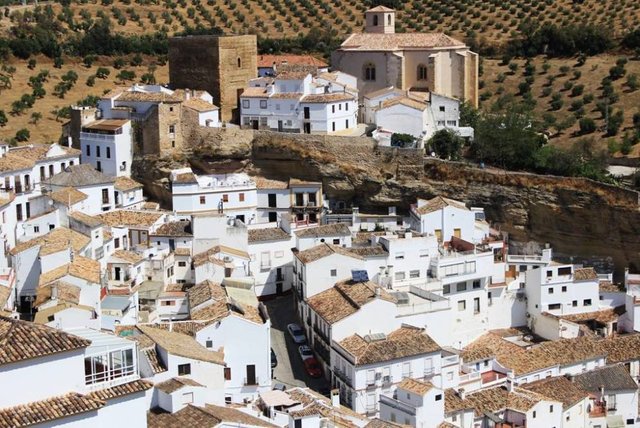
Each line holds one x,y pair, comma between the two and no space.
203,200
241,197
549,273
629,421
87,151
389,23
399,256
574,303
369,72
346,106
333,109
36,229
168,303
99,166
227,373
182,264
225,198
554,306
476,284
462,305
462,286
51,170
209,343
340,107
564,288
105,196
346,123
422,72
239,61
550,290
170,108
245,103
333,126
334,272
611,402
172,129
438,397
184,369
108,152
489,299
534,414
277,106
476,305
263,104
564,271
446,289
375,20
187,398
27,207
336,241
414,274
399,276
586,302
441,109
116,243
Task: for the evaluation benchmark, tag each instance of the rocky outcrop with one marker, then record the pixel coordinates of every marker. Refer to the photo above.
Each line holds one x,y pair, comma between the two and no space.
576,216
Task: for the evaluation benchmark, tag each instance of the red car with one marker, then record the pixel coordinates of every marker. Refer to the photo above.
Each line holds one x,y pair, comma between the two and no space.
312,367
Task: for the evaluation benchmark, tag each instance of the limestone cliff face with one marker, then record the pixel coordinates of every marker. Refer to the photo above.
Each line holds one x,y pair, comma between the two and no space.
575,216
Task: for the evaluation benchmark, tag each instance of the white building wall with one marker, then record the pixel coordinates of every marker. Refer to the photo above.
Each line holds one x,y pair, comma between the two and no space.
401,119
210,375
116,151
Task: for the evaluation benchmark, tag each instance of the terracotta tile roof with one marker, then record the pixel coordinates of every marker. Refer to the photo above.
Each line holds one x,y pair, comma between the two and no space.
208,416
384,91
398,41
404,342
558,388
267,61
268,234
380,9
493,400
66,293
86,219
345,299
80,175
603,316
51,409
42,316
265,183
185,178
292,75
68,196
121,390
174,228
584,274
125,184
323,250
609,287
57,240
151,206
253,92
174,384
182,345
622,348
80,267
150,97
415,386
208,301
537,357
405,101
199,105
327,98
26,157
235,416
286,95
377,423
335,229
210,255
205,291
341,415
154,360
127,256
120,218
438,203
22,340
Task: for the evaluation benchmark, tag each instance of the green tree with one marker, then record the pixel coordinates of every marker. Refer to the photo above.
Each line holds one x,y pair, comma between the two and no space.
23,135
615,121
587,125
3,118
102,72
36,117
446,144
402,140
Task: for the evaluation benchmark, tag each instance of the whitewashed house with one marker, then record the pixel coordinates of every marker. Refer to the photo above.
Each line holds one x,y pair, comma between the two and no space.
365,366
233,319
271,260
302,200
231,194
128,193
415,402
107,144
299,103
335,234
84,387
575,400
98,187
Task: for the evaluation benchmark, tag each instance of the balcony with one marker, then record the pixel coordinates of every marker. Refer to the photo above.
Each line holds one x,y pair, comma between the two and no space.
470,377
343,376
321,335
251,382
322,351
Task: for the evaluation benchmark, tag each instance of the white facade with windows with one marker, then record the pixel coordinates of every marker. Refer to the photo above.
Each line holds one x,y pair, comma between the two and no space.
108,146
299,103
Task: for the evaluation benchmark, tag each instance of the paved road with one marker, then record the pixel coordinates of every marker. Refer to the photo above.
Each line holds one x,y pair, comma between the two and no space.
290,370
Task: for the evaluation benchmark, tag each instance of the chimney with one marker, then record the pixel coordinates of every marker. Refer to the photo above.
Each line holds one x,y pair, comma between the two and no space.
187,94
377,291
461,393
510,385
335,398
602,393
54,291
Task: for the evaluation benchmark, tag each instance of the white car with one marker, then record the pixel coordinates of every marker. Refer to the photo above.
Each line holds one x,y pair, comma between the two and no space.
305,352
297,333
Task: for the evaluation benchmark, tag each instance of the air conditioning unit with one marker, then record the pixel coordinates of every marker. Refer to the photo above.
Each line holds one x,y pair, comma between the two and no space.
227,259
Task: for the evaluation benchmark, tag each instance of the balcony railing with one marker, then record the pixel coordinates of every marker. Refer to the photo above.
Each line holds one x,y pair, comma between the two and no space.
343,376
321,334
251,382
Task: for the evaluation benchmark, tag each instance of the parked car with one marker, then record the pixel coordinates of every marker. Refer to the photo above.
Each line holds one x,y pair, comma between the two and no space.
312,367
305,352
297,333
274,359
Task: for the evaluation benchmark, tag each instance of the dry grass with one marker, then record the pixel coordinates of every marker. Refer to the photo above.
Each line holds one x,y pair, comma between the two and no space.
48,129
592,73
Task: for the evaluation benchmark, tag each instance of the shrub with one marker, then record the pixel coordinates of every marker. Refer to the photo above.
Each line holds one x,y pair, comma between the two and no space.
577,90
23,135
587,125
615,121
102,72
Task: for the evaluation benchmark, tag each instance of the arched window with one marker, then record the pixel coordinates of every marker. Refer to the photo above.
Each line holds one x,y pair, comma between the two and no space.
369,71
389,19
375,20
422,72
239,62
